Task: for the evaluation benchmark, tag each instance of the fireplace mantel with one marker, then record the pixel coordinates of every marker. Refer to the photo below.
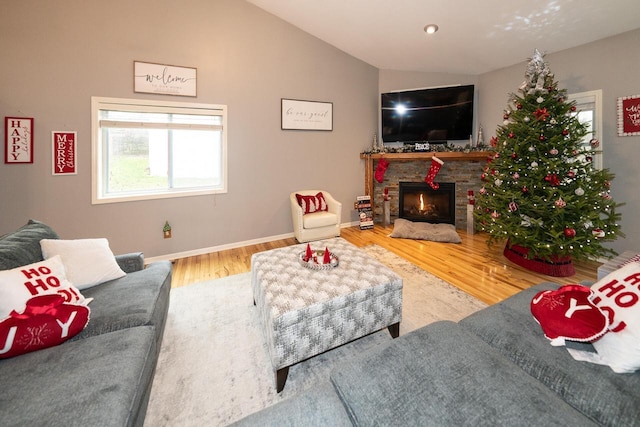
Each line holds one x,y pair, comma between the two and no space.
444,155
413,156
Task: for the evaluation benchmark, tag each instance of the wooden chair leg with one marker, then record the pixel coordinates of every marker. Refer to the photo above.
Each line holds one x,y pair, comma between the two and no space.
394,330
281,378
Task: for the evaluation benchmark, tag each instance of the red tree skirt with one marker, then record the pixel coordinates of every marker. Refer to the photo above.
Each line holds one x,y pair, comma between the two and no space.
557,266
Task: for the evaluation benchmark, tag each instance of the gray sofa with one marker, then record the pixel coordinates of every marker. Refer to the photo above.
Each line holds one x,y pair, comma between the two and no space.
493,368
102,376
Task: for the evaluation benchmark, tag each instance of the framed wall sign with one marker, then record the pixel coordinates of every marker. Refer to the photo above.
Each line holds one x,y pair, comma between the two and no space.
306,115
18,140
164,79
65,153
629,115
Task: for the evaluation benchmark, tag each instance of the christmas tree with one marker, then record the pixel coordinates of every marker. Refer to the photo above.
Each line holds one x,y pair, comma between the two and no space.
540,189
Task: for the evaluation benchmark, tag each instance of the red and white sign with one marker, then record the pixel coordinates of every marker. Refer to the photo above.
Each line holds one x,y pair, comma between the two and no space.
629,115
64,153
18,140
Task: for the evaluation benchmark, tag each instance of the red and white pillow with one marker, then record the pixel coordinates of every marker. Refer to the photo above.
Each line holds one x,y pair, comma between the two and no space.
618,295
568,314
39,307
310,204
616,298
46,321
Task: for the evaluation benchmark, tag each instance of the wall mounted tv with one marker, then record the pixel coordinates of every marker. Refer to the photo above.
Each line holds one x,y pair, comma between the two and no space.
434,115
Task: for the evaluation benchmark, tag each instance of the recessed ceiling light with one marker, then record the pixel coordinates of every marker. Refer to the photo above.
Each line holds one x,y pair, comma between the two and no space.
431,28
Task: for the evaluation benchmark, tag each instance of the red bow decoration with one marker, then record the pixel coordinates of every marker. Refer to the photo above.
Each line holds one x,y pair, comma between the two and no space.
541,114
552,179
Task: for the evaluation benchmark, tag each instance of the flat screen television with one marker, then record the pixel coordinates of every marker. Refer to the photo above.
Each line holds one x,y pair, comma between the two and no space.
434,115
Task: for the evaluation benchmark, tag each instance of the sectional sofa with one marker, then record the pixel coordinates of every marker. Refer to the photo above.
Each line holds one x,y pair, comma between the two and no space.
103,375
493,368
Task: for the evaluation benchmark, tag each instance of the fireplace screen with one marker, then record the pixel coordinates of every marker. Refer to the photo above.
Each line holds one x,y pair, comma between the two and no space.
419,202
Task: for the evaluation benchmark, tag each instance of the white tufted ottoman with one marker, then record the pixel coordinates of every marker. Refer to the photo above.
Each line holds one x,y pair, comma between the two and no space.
305,312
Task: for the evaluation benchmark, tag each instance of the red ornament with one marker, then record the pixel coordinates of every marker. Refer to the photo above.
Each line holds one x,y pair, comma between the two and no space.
506,116
573,108
560,203
561,100
514,156
571,174
519,106
597,233
525,190
496,156
542,138
594,143
483,176
511,134
565,132
569,232
513,206
494,141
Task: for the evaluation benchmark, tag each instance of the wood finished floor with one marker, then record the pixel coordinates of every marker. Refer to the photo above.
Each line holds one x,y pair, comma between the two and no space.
472,266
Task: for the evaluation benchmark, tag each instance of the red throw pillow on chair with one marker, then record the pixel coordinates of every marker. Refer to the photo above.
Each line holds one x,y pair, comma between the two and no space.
310,204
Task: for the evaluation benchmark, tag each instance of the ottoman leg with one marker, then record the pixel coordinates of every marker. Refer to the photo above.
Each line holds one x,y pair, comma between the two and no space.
394,330
281,378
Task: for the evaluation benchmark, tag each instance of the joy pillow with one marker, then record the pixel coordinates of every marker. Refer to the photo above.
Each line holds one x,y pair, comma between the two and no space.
19,285
618,295
568,314
47,320
88,262
310,204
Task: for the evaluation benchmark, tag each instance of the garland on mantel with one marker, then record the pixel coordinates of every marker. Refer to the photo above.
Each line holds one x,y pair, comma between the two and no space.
411,148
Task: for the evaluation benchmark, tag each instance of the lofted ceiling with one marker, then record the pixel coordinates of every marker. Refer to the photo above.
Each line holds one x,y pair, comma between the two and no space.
474,37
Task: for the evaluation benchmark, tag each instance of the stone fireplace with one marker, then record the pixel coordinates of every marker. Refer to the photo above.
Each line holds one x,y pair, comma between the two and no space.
462,169
417,201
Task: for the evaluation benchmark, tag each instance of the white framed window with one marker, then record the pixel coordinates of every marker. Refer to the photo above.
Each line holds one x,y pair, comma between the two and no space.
145,149
589,112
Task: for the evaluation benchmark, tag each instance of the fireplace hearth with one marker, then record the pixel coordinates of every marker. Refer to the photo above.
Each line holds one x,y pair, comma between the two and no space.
419,202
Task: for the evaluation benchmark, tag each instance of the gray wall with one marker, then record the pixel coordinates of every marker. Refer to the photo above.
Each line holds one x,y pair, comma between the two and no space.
59,54
612,65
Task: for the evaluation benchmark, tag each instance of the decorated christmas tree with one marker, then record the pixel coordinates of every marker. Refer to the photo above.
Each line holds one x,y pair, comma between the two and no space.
541,193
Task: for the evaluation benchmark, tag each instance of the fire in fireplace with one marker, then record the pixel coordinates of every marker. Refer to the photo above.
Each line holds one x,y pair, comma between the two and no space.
419,202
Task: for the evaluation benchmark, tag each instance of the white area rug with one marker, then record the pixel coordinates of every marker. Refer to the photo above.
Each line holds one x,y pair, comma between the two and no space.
214,367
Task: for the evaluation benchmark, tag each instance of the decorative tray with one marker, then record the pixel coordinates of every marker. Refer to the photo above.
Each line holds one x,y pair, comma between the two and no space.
316,261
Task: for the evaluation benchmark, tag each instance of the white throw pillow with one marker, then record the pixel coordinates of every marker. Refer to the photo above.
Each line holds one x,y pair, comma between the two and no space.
19,285
618,296
88,262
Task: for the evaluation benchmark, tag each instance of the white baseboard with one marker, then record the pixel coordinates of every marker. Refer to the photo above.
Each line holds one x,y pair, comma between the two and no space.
202,251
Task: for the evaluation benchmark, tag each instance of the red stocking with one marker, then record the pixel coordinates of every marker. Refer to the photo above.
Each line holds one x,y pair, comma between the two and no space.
436,164
383,164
